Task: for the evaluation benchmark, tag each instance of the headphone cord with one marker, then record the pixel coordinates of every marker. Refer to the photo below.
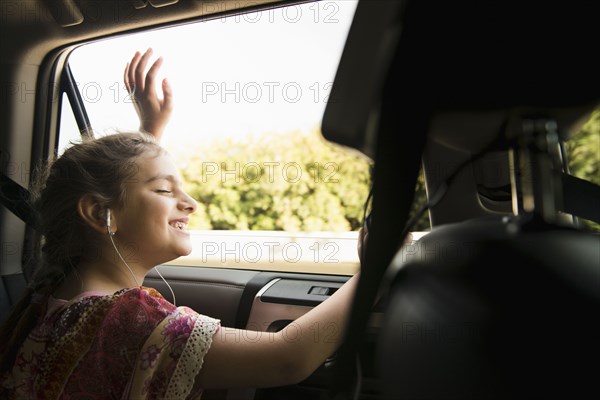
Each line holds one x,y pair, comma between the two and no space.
110,235
169,286
133,275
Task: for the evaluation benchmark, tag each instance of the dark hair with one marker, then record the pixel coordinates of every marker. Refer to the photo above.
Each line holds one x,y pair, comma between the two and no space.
99,168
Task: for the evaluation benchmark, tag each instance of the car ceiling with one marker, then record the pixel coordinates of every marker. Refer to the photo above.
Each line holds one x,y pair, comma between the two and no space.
43,25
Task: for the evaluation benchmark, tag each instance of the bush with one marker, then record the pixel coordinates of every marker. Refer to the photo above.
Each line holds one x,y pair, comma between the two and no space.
291,182
583,151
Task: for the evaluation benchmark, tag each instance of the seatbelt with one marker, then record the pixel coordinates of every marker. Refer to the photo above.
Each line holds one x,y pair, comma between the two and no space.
16,199
581,198
14,196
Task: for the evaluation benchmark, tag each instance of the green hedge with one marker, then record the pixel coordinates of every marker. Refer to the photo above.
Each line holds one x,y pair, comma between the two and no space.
292,182
583,151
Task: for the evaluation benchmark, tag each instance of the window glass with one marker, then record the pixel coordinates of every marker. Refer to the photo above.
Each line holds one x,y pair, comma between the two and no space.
250,91
68,131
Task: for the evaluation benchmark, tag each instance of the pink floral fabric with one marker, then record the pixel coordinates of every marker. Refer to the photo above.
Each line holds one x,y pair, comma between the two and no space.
130,345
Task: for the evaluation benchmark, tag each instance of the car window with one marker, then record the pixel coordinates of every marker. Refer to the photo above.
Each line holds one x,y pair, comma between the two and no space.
250,91
583,156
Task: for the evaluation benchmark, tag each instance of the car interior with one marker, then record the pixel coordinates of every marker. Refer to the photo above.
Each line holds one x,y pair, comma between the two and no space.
496,300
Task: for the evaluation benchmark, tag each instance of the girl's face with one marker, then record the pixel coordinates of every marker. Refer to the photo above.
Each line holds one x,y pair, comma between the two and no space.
152,224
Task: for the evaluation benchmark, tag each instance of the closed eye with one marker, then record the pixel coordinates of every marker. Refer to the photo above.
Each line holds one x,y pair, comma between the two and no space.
163,191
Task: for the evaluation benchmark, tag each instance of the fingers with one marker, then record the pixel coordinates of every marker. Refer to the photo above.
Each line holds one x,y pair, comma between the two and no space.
361,242
151,77
140,68
137,80
130,72
126,78
153,112
167,95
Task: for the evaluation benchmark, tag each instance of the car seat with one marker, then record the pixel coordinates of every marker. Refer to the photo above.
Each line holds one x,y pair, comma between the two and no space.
500,305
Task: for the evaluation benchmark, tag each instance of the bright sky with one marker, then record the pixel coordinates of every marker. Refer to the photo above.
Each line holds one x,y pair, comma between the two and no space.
269,71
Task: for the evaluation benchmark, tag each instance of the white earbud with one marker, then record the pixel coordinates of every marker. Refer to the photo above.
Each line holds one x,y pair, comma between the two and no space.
110,232
110,236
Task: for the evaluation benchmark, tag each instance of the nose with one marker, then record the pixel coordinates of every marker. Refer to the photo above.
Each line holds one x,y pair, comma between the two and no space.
187,203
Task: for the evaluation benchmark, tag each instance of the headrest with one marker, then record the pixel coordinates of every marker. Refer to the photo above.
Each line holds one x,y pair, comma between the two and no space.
492,64
477,66
473,131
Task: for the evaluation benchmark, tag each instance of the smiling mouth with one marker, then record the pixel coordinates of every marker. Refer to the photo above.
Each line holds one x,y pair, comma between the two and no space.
178,225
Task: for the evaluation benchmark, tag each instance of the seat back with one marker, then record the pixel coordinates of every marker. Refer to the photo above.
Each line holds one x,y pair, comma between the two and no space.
498,306
491,309
12,288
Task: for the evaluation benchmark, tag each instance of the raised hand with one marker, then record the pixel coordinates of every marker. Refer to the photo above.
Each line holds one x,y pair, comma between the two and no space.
154,112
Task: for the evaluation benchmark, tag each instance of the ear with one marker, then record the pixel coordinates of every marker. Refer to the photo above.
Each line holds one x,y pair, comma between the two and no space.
93,214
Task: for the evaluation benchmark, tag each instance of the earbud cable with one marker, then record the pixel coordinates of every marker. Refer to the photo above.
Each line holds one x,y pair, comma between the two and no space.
167,283
122,259
137,284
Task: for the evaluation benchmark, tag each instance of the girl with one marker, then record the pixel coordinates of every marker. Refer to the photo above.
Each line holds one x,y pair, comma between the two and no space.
87,328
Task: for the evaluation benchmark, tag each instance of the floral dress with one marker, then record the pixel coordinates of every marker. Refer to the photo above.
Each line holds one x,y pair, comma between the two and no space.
129,345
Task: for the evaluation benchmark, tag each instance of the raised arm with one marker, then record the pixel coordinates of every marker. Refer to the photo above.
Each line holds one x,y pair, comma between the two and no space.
154,112
239,358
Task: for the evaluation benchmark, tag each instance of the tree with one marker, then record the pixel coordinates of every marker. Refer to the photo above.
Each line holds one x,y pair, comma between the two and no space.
293,182
583,151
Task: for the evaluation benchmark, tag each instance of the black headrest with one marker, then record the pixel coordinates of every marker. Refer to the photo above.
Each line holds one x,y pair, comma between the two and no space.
489,65
477,65
488,309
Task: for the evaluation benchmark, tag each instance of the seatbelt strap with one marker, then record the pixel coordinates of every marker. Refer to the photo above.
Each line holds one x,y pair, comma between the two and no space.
14,196
16,199
581,198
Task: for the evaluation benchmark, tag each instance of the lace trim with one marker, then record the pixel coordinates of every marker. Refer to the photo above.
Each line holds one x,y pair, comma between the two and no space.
192,357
